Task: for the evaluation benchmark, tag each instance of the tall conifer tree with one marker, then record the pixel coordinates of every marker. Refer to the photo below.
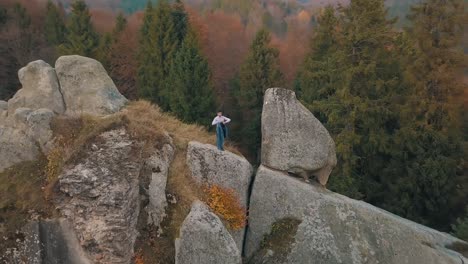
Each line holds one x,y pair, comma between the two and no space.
191,97
433,186
54,27
259,72
81,37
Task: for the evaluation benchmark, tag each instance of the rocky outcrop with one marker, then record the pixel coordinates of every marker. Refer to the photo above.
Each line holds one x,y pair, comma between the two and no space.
208,165
293,139
15,147
204,239
78,85
40,89
157,168
50,242
24,135
86,87
331,228
103,197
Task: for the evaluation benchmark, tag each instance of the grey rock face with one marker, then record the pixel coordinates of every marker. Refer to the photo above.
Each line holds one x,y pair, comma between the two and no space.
293,139
3,105
50,242
208,165
204,239
86,87
15,147
103,203
38,128
337,229
21,135
158,167
40,89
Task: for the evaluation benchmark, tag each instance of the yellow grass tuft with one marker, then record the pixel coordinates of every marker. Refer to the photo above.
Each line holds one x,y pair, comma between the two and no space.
225,203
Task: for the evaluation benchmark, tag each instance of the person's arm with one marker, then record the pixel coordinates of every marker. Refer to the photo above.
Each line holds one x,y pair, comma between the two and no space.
226,120
214,122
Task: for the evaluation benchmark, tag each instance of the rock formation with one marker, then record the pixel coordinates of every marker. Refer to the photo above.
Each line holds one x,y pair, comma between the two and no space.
332,228
102,188
204,239
208,165
82,86
50,242
86,87
40,89
293,139
157,168
103,203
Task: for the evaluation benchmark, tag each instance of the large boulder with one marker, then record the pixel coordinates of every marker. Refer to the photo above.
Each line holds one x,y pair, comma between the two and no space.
86,87
15,147
50,242
40,89
293,139
38,128
204,239
157,168
294,222
208,165
102,197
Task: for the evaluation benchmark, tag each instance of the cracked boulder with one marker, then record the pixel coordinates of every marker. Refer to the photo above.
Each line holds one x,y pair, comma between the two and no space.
40,89
102,197
294,222
49,242
156,168
293,140
208,165
204,239
86,87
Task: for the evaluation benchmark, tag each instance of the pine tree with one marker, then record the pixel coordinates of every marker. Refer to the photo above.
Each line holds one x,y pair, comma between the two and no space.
259,72
54,27
350,81
192,97
318,77
434,184
156,53
81,37
180,18
103,51
145,64
120,25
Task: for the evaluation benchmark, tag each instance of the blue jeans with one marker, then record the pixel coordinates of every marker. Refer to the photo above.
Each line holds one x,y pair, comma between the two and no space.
221,134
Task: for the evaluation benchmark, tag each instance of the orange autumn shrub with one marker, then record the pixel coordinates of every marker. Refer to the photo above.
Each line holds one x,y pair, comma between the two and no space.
225,203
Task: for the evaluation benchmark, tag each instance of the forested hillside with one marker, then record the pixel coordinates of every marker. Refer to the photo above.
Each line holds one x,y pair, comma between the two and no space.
392,98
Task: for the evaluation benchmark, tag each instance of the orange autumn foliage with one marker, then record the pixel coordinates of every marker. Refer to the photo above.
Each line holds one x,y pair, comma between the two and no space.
225,203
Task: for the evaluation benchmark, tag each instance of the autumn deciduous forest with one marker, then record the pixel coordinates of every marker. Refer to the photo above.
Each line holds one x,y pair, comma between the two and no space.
386,78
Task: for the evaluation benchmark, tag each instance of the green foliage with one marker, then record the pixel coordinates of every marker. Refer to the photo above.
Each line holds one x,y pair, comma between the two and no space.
259,72
81,37
390,102
54,27
430,138
158,44
22,17
180,18
460,228
3,16
191,97
120,25
349,81
104,49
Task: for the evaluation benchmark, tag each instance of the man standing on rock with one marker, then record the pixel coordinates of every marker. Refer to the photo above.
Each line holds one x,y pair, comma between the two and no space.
220,122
